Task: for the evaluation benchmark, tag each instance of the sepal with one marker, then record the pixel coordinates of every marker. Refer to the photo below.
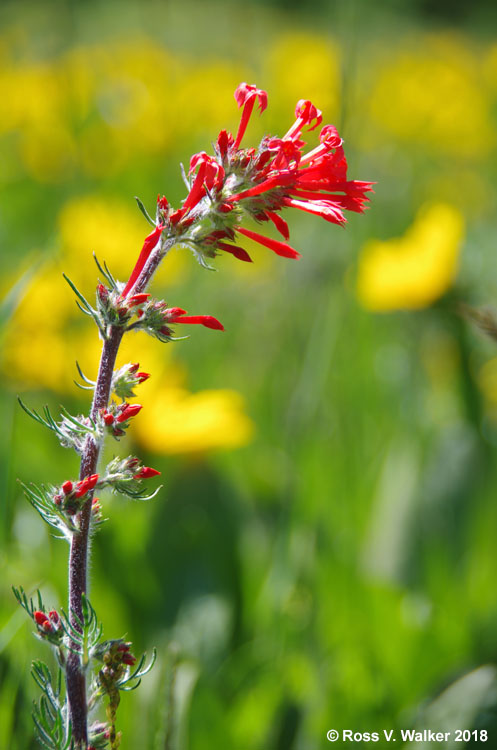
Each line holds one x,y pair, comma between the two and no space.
120,670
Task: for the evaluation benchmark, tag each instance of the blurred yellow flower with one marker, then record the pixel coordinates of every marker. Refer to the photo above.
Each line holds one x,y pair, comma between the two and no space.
434,96
178,421
114,230
412,271
301,65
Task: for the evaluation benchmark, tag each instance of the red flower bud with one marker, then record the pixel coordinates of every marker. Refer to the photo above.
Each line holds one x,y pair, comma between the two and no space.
54,616
134,367
103,292
142,376
129,659
108,419
85,485
138,299
40,618
130,410
67,487
146,472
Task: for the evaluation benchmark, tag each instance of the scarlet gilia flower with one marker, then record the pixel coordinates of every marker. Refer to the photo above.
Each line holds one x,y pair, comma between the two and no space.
146,472
177,315
259,183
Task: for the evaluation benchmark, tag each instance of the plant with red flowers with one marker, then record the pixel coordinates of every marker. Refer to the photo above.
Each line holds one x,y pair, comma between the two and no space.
224,189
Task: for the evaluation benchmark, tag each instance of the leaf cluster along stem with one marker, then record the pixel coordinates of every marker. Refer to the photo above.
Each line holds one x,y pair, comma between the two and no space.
78,557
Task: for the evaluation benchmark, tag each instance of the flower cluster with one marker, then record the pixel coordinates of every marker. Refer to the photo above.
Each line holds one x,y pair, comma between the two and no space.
125,475
156,318
238,182
73,495
141,311
114,654
98,735
116,417
49,626
126,379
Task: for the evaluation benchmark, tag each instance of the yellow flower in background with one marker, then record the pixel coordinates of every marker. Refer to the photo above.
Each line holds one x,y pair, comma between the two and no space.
434,96
297,63
47,334
114,230
181,422
412,271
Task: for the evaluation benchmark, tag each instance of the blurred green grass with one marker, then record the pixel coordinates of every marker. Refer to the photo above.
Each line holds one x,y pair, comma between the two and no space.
338,570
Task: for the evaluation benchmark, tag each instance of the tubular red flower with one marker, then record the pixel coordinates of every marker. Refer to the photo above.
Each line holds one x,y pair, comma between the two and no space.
85,485
130,410
150,244
146,472
306,113
280,248
279,223
204,320
245,96
238,252
197,190
138,299
326,210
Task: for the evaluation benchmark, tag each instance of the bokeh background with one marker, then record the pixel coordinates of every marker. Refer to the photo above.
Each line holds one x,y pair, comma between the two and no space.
323,551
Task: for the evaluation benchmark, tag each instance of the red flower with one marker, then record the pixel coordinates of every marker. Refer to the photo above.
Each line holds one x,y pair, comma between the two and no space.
280,248
130,410
177,315
260,183
245,96
85,485
146,472
150,243
40,618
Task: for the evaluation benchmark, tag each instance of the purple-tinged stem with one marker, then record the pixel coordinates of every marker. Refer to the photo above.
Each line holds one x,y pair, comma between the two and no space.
78,556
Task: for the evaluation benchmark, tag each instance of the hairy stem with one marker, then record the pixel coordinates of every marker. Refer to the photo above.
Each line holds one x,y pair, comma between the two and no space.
78,557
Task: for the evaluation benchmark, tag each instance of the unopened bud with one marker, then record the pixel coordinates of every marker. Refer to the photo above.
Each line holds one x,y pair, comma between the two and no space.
67,487
130,410
138,299
146,472
40,618
103,293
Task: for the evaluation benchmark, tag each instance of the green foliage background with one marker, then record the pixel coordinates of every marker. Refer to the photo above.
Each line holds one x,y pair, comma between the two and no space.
339,570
